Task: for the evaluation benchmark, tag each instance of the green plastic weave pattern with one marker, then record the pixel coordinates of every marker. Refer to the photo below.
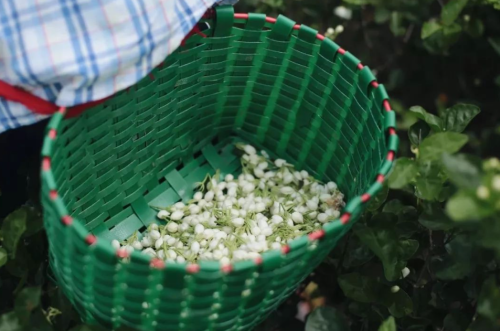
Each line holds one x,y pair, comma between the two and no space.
270,82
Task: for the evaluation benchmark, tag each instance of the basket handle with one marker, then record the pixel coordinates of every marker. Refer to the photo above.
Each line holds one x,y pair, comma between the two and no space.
30,101
39,105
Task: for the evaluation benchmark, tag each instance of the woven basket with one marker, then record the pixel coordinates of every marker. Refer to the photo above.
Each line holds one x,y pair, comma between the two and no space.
269,82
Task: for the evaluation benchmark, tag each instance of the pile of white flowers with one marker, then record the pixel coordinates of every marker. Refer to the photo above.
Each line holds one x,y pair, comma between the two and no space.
232,219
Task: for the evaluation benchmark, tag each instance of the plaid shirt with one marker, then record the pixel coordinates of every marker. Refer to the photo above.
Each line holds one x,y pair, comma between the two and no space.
76,51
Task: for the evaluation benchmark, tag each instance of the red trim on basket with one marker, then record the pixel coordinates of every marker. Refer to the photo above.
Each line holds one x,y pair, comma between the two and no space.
296,27
285,249
46,163
360,66
157,263
90,239
241,16
320,37
193,268
374,84
227,268
365,197
387,106
122,253
345,218
341,51
53,194
52,134
258,260
67,220
392,131
270,20
316,235
390,156
380,178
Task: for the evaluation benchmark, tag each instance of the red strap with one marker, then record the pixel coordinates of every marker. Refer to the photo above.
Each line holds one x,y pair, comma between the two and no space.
39,105
77,110
32,102
195,30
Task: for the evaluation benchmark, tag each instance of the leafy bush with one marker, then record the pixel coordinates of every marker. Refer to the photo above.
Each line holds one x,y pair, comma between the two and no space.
426,254
441,225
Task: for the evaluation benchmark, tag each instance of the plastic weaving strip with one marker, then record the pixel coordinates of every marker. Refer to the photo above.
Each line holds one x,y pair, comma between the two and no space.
270,82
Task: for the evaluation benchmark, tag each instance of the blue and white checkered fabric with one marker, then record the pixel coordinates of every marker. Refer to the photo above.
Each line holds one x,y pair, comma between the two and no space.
75,51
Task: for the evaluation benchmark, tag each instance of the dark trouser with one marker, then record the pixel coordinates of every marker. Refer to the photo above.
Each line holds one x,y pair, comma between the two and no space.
20,166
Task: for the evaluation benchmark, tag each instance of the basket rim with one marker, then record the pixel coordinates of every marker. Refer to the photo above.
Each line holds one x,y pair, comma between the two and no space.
352,209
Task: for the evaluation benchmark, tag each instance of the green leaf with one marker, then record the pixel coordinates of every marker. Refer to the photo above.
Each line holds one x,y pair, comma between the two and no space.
381,15
26,301
19,266
404,172
357,254
357,2
396,24
384,242
378,199
451,33
483,324
433,147
326,319
358,288
445,268
10,322
459,116
443,39
433,121
451,10
495,43
406,229
463,170
456,322
430,181
399,303
429,28
475,28
428,188
388,325
34,221
408,213
38,321
489,300
461,260
3,256
13,228
488,234
86,327
446,192
418,132
434,218
393,206
464,206
365,310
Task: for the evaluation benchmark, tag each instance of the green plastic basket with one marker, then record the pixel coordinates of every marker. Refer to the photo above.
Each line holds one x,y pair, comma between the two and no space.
269,82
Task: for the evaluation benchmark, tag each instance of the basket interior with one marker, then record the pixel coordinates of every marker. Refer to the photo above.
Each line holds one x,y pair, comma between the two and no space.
148,146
